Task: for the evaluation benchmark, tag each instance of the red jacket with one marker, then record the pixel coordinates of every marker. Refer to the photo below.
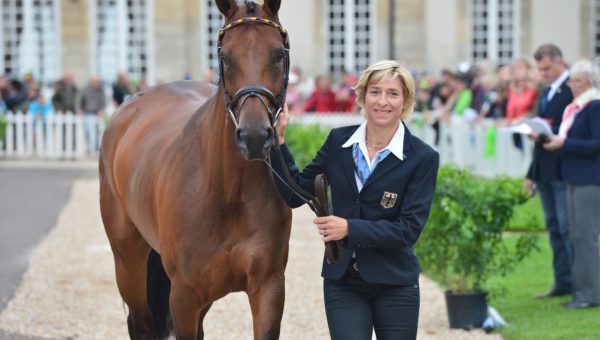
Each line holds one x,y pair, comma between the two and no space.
320,102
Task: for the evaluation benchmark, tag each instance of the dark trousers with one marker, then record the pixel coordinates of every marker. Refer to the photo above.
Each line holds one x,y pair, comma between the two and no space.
554,201
355,307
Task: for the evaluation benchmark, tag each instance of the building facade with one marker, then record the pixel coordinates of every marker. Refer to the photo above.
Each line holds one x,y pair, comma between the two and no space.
163,40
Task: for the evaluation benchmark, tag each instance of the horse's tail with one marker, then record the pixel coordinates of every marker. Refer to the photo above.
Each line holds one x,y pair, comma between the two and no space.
158,291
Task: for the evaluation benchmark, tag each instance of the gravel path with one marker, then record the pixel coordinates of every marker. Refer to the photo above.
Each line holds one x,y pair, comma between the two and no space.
69,290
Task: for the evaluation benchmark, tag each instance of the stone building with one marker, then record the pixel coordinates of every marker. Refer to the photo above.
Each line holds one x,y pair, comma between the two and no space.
163,40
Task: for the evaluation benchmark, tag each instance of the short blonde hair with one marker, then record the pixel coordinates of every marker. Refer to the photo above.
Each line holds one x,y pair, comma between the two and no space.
387,69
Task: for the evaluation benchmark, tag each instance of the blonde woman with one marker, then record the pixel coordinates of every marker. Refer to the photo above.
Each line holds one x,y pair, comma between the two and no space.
382,183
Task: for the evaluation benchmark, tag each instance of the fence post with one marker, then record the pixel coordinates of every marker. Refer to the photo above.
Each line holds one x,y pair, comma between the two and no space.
59,129
29,126
39,138
10,135
79,137
20,135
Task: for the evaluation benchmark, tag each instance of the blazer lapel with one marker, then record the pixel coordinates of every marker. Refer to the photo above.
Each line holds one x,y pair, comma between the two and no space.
349,165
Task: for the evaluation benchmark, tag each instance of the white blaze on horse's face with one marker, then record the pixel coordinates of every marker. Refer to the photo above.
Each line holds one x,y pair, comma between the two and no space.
254,58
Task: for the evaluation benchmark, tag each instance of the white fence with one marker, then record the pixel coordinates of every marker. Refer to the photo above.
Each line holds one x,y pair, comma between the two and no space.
58,136
475,146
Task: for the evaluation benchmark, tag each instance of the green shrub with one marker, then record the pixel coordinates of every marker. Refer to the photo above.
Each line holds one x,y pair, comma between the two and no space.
305,141
462,241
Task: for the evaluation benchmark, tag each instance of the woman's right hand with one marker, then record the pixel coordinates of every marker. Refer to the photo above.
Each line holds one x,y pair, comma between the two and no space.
281,124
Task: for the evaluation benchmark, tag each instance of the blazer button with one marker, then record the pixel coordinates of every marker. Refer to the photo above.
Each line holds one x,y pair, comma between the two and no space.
358,201
328,261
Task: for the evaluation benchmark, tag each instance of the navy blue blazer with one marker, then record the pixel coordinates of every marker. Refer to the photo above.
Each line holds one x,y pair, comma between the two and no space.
386,218
581,150
545,165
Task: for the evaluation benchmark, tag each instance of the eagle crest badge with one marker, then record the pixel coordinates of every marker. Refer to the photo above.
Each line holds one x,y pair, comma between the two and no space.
389,199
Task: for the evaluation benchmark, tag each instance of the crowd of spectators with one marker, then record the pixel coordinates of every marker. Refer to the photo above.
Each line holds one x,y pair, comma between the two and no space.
508,93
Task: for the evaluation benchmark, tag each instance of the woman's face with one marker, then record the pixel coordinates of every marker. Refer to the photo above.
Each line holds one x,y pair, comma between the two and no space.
579,84
384,102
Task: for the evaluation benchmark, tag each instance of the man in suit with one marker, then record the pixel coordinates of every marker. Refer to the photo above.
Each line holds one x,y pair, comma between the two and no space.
545,166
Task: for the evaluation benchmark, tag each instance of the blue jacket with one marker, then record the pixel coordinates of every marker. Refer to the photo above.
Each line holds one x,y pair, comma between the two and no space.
381,236
545,165
581,150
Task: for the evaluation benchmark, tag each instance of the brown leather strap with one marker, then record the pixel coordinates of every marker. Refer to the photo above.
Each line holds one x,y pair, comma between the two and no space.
333,249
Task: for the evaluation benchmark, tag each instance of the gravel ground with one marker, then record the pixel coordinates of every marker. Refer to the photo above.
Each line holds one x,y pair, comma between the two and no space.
69,290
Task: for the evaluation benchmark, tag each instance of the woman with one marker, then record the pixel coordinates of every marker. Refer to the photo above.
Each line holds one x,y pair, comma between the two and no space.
579,139
382,183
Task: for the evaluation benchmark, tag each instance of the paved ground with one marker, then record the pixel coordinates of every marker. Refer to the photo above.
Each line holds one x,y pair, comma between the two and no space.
69,292
32,194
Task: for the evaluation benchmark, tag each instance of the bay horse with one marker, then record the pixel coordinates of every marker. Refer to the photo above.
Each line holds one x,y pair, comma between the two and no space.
183,174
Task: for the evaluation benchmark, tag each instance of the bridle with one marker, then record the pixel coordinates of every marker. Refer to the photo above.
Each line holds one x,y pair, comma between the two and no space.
259,92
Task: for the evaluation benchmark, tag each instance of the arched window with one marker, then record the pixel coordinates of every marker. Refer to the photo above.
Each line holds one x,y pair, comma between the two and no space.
212,20
349,32
29,39
494,30
122,38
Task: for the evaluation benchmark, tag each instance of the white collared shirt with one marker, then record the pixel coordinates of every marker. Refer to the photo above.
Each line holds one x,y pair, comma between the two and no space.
395,146
556,84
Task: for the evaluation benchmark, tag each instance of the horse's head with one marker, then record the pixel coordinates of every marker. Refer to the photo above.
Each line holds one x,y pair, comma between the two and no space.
254,63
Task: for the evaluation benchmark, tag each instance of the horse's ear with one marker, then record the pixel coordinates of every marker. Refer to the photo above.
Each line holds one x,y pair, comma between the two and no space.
226,7
272,6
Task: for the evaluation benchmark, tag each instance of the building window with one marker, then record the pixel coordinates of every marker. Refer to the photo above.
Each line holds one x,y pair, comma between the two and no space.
596,23
494,30
122,39
213,21
349,35
29,39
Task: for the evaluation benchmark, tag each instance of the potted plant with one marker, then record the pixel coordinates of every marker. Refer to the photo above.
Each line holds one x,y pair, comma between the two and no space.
462,245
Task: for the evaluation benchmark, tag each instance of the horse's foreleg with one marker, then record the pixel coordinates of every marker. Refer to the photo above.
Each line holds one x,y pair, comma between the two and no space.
130,252
266,298
186,310
203,312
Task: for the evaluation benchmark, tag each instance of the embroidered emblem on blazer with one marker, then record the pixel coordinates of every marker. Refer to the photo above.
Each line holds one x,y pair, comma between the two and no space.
389,199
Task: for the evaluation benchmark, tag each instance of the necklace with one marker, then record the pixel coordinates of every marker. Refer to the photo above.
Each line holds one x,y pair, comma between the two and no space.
375,147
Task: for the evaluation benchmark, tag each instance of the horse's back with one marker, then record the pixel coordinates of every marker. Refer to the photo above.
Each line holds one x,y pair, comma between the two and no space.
139,141
165,107
149,121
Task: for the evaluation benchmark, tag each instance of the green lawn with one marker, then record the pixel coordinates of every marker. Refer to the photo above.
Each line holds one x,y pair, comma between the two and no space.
528,216
531,318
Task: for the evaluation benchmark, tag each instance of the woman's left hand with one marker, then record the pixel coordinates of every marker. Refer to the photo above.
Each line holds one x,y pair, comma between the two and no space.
554,143
331,228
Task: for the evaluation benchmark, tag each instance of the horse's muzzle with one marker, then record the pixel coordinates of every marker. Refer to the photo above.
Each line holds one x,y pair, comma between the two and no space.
255,144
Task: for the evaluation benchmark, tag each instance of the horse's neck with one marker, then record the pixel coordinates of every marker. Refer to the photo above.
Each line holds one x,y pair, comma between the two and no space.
227,170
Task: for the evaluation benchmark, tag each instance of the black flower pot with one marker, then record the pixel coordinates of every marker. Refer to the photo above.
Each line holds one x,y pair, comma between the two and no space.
466,310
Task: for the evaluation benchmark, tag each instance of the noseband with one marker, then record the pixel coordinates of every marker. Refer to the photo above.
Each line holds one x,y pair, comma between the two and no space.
259,92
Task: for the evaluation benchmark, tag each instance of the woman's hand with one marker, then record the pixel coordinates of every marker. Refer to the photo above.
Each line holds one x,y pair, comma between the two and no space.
331,228
554,143
281,124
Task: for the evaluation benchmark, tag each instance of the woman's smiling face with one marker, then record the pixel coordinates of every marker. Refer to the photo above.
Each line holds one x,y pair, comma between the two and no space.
384,102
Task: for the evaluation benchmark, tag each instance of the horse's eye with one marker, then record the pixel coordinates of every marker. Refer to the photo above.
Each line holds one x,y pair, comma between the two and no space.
279,55
226,60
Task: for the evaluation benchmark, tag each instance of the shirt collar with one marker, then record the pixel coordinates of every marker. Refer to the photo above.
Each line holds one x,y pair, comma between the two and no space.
395,146
557,83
